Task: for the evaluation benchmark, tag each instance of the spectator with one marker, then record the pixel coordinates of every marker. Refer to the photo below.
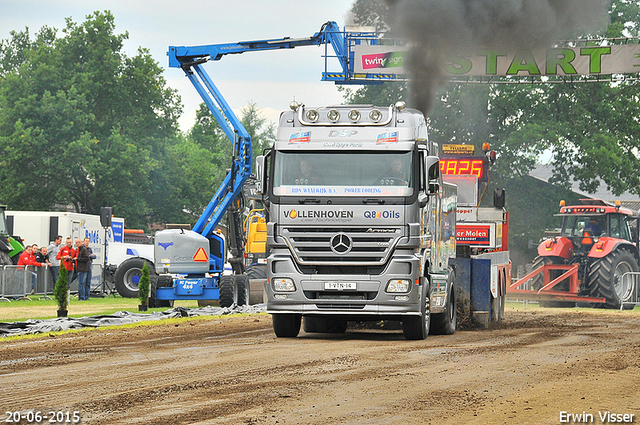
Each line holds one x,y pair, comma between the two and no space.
52,253
28,259
67,254
41,256
83,267
92,257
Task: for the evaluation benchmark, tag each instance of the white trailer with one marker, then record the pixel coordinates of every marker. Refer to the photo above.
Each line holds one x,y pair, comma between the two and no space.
124,260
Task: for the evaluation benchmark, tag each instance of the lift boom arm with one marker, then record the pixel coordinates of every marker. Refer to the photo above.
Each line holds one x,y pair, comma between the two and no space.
190,60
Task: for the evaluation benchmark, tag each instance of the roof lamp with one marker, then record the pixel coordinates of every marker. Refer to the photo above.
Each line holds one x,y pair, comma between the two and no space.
312,115
333,115
354,115
375,115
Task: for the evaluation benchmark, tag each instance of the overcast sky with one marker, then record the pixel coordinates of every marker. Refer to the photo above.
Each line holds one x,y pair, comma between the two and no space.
271,79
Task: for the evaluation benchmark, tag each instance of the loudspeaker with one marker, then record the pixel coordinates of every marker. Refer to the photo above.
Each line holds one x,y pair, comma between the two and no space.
498,197
105,216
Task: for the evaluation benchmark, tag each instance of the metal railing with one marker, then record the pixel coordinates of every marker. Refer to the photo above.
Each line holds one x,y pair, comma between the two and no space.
17,282
20,282
631,281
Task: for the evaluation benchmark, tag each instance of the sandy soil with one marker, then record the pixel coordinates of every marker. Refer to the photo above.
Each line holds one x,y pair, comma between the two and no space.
233,370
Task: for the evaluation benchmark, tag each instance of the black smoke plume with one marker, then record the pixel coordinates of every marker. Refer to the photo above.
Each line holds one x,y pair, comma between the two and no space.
435,28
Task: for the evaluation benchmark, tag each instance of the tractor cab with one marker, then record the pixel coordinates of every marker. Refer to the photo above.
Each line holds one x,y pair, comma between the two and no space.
593,220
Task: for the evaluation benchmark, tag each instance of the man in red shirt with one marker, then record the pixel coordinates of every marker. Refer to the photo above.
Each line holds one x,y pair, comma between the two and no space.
27,258
67,255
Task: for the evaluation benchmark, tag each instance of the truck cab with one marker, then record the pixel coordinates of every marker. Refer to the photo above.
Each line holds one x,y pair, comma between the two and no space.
361,226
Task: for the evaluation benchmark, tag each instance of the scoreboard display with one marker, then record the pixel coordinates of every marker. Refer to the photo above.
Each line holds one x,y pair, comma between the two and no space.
464,166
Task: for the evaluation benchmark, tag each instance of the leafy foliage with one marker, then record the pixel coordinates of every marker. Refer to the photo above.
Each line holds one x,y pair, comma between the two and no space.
61,289
144,285
80,123
590,131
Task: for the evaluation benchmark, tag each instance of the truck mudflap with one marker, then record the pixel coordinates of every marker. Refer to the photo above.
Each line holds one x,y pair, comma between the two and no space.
473,290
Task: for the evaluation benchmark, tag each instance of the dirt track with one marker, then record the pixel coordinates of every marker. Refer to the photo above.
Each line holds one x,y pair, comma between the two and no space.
234,371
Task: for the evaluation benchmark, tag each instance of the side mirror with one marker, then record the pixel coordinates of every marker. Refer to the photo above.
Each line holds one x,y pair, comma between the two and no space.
260,174
433,174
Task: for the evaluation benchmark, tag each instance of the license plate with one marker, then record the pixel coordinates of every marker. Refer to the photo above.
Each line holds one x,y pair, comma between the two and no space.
340,286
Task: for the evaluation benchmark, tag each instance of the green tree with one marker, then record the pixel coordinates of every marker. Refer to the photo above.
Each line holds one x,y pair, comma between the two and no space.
82,124
262,133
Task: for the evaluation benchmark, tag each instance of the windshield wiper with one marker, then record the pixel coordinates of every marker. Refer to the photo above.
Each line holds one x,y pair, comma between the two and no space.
309,201
373,201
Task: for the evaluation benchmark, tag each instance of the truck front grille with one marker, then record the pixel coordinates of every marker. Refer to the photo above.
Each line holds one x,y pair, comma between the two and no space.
355,246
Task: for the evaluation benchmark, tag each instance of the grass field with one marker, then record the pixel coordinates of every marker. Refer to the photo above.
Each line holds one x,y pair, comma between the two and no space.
36,308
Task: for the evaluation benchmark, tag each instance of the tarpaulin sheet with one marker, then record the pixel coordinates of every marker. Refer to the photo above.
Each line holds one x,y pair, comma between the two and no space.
33,326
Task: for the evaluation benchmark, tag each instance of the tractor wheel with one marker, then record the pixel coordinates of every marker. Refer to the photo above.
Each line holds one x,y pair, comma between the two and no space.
159,282
538,281
257,271
286,325
226,291
605,279
5,260
241,284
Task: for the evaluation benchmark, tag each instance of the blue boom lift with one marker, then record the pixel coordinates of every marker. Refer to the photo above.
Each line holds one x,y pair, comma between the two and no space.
191,262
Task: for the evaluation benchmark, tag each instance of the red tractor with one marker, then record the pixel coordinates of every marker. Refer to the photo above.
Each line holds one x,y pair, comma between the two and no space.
589,261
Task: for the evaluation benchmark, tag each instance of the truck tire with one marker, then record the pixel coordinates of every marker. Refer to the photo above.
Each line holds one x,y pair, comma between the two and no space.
538,281
313,324
417,327
128,275
445,323
159,282
286,325
605,279
226,290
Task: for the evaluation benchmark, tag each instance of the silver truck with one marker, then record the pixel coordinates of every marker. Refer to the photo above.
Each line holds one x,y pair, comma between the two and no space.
360,226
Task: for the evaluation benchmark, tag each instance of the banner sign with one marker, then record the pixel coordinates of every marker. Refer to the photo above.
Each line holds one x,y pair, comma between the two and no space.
557,61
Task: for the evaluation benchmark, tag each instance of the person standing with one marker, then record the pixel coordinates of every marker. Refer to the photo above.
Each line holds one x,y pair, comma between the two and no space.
92,257
83,267
27,258
67,255
52,254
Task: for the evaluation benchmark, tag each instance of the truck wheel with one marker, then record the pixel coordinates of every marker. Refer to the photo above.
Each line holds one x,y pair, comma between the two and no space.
226,290
605,279
417,327
313,324
241,283
159,282
445,323
128,276
286,325
537,282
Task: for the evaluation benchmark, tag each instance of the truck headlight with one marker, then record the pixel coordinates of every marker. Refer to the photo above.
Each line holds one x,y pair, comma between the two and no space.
398,285
283,284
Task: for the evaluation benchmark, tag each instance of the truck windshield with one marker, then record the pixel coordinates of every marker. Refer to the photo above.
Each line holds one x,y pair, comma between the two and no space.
380,173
